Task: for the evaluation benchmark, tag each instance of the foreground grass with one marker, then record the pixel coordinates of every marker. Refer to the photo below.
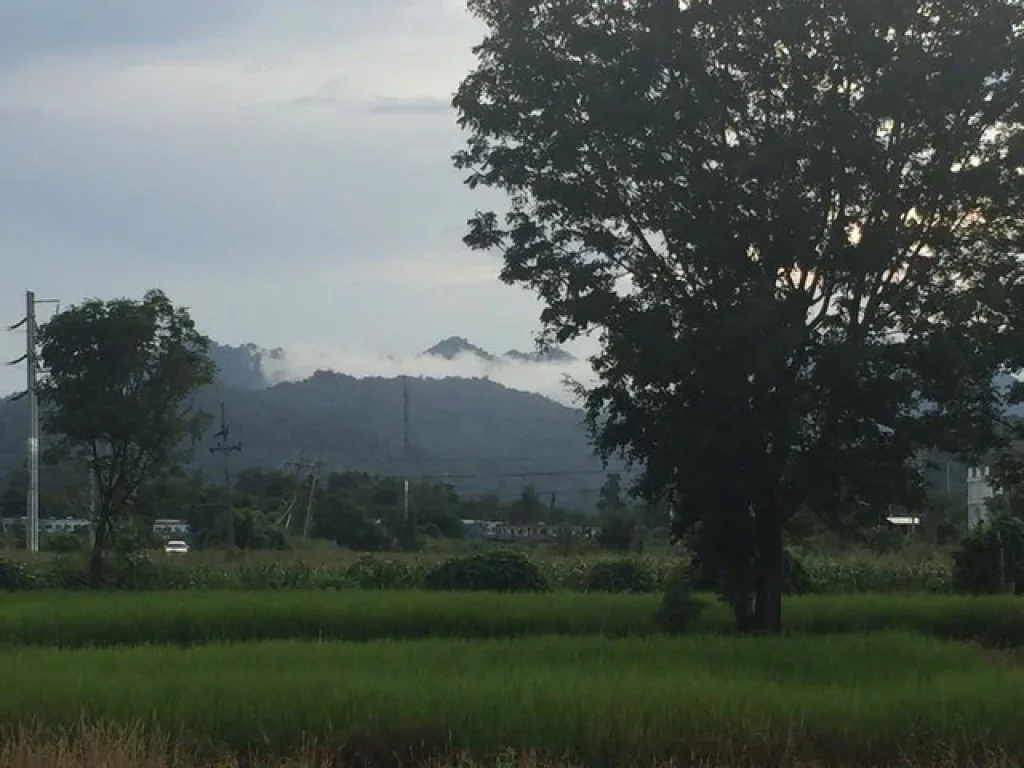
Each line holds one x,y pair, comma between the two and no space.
871,698
119,747
194,618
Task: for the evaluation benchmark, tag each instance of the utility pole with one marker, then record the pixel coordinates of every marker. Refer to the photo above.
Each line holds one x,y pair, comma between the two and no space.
31,360
225,449
312,482
314,479
405,445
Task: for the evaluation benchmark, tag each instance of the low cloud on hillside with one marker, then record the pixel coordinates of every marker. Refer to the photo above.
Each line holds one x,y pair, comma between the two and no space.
547,379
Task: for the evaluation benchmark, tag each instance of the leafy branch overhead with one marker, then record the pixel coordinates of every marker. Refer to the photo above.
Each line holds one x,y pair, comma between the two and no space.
795,228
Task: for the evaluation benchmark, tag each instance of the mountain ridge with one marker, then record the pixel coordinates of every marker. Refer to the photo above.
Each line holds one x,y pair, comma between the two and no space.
480,435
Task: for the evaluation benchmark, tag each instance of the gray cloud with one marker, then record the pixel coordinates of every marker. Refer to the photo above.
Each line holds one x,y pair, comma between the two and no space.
30,28
160,146
427,105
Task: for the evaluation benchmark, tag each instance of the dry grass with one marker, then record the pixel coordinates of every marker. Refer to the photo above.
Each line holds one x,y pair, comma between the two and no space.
118,747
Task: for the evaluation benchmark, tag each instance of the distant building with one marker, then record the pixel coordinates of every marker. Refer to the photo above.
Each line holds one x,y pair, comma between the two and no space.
48,524
979,492
509,532
64,524
171,527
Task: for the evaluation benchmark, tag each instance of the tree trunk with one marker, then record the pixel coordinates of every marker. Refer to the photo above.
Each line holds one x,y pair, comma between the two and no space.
770,567
96,558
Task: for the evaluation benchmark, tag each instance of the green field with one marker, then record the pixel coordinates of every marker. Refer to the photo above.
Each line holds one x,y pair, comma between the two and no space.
378,673
111,618
851,697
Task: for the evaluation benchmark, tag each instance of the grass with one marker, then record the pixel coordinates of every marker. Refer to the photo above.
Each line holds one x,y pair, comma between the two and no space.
121,747
188,618
110,618
857,698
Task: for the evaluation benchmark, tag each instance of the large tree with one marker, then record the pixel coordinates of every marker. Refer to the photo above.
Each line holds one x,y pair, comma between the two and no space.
117,393
793,225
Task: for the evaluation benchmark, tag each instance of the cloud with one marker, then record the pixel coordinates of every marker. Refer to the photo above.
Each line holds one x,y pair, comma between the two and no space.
546,379
283,169
426,105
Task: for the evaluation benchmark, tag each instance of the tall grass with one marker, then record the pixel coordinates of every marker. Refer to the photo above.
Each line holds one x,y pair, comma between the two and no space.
129,747
193,618
853,698
111,618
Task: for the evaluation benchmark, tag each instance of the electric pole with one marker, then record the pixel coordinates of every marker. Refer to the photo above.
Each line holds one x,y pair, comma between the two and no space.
312,482
31,360
225,449
405,445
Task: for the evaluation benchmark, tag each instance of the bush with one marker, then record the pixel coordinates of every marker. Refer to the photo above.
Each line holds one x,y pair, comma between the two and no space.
796,579
69,572
62,543
991,558
678,609
492,571
620,576
14,576
373,573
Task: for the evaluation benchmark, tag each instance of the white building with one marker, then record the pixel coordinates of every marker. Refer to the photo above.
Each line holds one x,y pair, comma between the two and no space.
170,527
979,492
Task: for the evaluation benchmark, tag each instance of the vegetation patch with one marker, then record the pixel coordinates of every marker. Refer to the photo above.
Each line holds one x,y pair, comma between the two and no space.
781,700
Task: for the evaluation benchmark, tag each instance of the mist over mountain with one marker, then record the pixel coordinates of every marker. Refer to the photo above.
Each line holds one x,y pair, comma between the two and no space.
476,420
486,423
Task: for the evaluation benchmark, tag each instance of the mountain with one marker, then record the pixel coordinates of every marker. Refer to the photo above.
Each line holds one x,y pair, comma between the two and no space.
454,346
242,366
479,435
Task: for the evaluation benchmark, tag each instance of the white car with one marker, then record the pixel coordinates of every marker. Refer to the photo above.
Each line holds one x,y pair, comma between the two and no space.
176,548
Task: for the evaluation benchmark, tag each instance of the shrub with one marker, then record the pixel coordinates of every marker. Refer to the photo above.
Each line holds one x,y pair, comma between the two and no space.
991,558
14,576
494,571
374,573
62,543
68,572
620,576
678,609
796,579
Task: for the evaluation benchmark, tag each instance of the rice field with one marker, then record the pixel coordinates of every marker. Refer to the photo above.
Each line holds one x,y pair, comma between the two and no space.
856,698
270,679
71,620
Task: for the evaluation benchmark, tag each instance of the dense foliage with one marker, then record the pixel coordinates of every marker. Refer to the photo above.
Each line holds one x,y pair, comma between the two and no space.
117,396
795,229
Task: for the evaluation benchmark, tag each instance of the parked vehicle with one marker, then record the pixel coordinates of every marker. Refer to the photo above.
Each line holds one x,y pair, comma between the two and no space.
176,548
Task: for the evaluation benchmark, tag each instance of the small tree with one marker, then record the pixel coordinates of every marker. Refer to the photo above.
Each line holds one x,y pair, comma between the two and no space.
120,376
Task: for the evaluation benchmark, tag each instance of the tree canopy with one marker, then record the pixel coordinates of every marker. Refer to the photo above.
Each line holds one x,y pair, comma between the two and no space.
794,227
119,378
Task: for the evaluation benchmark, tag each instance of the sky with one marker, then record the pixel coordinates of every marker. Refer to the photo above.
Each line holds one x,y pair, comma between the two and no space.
281,168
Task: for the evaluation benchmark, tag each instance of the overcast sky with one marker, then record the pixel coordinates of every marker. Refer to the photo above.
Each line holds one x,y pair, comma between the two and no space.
283,168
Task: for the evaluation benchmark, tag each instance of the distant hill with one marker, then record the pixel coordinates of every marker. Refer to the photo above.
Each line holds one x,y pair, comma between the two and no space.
242,366
457,346
482,436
